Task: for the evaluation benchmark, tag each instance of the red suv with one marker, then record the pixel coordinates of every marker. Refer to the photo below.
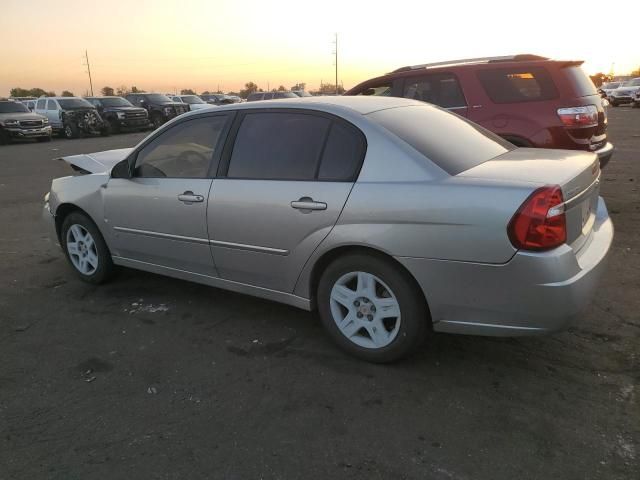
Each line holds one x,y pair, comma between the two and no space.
529,100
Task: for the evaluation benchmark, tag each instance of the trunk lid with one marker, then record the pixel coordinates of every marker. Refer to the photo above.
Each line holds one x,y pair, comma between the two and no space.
577,173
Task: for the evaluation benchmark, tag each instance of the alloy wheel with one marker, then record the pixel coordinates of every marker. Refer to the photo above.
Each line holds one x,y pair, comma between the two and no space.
82,249
365,310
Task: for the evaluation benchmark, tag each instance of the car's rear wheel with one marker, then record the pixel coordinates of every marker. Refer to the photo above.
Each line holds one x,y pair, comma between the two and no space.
86,249
372,308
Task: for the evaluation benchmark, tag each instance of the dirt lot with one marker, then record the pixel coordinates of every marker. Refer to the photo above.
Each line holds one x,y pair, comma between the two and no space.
154,378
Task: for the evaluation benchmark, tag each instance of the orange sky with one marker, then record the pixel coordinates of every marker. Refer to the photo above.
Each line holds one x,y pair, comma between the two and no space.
200,44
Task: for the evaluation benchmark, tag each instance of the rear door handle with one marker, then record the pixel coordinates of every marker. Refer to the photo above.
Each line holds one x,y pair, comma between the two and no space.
307,203
189,197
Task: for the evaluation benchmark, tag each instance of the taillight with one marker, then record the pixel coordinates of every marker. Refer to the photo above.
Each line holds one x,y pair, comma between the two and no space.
575,117
540,223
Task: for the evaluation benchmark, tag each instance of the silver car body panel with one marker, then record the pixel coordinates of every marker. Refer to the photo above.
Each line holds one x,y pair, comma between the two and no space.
448,231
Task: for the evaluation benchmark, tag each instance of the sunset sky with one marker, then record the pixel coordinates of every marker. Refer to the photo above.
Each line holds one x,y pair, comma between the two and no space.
199,44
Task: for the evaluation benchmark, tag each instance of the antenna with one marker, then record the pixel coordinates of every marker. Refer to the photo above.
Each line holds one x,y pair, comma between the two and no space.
86,57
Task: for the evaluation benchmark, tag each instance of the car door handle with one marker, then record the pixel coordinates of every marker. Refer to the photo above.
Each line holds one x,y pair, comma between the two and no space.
190,197
307,203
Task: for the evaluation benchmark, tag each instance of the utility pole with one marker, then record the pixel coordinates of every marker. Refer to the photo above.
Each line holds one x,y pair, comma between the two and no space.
86,57
336,41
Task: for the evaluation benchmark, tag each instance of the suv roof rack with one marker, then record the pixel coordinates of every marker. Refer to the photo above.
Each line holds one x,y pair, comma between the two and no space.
470,61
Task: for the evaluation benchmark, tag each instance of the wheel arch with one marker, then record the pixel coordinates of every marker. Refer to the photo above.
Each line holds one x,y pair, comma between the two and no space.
333,254
63,212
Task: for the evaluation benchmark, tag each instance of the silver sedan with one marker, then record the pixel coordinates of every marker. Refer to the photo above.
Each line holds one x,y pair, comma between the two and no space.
390,217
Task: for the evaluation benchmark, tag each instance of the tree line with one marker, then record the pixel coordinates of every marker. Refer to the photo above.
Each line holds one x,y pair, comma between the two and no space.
122,90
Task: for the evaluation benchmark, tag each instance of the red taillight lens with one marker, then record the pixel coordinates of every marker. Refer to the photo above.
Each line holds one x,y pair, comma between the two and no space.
540,223
576,117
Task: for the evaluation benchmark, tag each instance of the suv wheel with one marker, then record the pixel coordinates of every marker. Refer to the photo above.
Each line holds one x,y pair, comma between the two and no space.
157,120
71,131
371,308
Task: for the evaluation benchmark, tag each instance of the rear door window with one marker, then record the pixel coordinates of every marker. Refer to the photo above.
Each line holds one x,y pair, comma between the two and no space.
514,85
41,104
441,89
278,146
52,105
343,153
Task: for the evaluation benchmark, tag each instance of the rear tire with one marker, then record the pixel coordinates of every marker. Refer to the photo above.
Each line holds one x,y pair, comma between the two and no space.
372,308
157,120
85,249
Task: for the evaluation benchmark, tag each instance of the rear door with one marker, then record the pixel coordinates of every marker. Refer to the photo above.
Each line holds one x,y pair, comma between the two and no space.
282,185
442,89
159,215
53,113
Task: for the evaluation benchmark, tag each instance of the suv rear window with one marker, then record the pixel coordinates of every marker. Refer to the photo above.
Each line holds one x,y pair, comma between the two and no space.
581,83
514,85
449,141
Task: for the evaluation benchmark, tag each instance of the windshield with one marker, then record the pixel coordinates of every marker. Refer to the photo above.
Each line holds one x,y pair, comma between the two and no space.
191,99
611,85
632,83
115,102
302,93
12,107
71,103
157,98
430,129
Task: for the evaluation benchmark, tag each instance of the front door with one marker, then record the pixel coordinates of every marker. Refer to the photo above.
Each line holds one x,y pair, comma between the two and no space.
283,187
159,215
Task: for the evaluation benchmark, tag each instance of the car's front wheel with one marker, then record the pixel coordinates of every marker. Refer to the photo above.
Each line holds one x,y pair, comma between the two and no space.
86,249
372,308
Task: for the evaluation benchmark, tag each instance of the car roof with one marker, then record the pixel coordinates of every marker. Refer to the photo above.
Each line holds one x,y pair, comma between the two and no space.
359,104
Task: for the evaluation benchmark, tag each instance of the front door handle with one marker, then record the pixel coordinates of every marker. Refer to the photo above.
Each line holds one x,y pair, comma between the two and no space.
307,203
189,197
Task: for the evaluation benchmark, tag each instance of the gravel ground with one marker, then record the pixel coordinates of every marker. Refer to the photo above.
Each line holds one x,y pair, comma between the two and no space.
155,378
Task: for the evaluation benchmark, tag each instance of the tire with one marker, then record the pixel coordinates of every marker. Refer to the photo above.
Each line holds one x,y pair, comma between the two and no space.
365,333
614,103
70,130
115,126
105,131
92,251
156,120
44,139
5,139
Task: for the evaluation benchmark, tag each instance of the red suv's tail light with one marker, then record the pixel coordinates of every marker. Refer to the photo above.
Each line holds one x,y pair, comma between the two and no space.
540,223
586,116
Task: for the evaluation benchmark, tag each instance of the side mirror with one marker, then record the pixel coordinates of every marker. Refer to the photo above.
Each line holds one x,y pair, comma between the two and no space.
121,169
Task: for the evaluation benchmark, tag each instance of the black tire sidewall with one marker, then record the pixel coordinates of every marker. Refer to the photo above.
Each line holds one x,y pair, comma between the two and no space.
105,263
414,313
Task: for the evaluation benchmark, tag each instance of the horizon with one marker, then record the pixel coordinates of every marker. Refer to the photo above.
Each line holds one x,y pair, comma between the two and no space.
283,46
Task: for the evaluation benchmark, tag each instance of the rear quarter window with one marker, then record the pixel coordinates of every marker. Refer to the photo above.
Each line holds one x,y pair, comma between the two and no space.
515,85
448,140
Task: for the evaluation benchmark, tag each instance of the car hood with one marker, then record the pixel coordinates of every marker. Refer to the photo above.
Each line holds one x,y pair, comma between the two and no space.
20,116
99,162
124,109
625,90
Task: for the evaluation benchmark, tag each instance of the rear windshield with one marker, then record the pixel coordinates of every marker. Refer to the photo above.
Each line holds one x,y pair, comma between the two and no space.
582,84
448,140
518,84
